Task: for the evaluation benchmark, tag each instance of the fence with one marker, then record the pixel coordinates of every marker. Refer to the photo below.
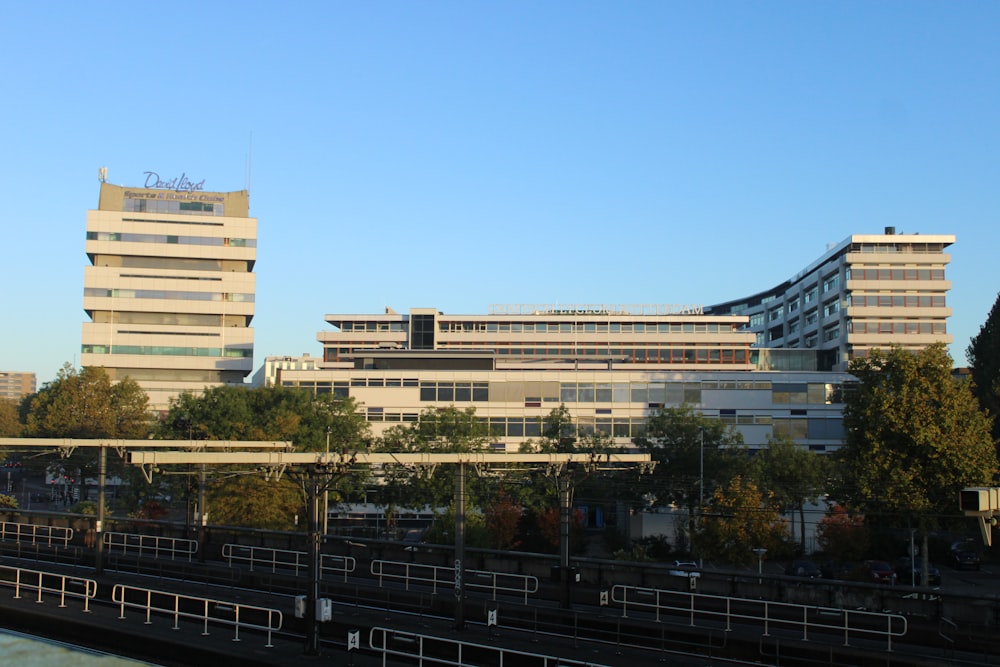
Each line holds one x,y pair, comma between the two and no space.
203,610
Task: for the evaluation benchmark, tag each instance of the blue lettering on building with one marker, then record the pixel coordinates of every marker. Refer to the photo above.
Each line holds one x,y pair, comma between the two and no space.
177,184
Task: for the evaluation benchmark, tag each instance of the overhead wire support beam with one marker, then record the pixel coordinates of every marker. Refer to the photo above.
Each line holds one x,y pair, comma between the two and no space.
333,459
121,445
275,458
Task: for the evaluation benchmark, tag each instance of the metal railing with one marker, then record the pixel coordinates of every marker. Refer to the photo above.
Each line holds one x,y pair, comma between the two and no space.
440,651
35,534
276,559
434,575
47,582
150,545
204,610
804,618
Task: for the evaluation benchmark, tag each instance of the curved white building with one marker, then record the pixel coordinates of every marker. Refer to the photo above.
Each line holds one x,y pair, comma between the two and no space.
868,291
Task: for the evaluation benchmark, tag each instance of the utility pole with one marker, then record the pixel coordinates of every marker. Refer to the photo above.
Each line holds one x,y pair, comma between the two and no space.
701,487
459,546
564,484
315,554
102,478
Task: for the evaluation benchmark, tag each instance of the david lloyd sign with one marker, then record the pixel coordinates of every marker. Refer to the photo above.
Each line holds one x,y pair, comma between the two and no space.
178,184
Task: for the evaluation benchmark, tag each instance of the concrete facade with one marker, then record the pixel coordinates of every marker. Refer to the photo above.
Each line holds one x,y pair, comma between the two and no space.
611,366
866,292
14,385
772,364
170,288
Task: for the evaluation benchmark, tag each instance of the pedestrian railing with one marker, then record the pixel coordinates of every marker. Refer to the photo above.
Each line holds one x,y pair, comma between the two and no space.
727,610
425,649
283,559
35,534
61,585
205,611
435,575
150,545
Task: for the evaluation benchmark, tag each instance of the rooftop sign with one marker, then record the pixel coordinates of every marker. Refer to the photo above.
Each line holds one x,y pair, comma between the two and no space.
596,309
178,184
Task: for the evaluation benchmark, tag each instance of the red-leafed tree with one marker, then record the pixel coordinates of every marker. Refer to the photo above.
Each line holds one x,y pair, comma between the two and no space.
843,536
503,519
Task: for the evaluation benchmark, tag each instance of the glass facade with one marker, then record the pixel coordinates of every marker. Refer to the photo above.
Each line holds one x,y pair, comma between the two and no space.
172,207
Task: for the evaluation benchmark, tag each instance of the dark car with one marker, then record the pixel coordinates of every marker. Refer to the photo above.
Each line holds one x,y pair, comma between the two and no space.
965,560
878,571
963,556
803,568
910,573
837,569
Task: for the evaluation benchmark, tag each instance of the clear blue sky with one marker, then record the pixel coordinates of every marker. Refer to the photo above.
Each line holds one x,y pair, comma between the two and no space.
459,154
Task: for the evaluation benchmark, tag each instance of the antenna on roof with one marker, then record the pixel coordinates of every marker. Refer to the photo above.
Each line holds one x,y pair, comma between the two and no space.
249,163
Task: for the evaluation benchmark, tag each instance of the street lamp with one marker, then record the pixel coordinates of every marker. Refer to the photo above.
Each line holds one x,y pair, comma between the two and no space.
760,551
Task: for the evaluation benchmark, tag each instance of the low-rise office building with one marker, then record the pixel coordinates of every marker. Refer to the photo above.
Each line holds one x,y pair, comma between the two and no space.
610,365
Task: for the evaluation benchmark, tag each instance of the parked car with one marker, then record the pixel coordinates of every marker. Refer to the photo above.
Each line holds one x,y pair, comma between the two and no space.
878,571
963,556
685,568
837,569
910,572
803,568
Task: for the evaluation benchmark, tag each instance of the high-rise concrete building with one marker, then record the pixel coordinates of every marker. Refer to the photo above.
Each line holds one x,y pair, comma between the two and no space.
868,291
14,385
170,286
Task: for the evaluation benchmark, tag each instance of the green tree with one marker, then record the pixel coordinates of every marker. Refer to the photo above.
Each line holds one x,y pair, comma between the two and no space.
85,404
792,475
740,519
983,355
694,456
254,502
218,413
559,431
10,421
440,430
535,488
914,438
437,430
442,529
309,422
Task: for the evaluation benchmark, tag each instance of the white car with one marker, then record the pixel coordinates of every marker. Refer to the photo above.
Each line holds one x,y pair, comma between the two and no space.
685,568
